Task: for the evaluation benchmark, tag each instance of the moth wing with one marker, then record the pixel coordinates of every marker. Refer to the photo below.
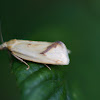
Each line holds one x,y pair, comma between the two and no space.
59,54
32,51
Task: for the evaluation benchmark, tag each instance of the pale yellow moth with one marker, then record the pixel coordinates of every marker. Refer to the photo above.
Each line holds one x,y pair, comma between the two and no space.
54,53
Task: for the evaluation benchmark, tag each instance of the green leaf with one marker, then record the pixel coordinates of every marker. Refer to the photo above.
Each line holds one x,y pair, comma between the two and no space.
40,83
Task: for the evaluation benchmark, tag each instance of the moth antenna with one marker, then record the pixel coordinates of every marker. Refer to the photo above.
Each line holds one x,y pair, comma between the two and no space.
1,34
1,37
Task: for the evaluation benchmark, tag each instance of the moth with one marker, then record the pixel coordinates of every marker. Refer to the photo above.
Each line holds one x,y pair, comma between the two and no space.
54,53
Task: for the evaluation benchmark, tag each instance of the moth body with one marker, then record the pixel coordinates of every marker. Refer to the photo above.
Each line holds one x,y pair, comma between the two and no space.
41,52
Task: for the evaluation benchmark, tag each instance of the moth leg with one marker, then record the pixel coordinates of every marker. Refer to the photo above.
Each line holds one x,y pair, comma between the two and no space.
21,61
47,66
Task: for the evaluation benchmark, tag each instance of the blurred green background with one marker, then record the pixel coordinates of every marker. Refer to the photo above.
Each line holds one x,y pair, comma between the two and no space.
76,23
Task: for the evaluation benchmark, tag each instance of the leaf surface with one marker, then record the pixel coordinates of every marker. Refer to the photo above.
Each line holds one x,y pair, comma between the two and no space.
40,83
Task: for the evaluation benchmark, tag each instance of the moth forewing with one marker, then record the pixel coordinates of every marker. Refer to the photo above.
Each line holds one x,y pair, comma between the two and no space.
58,55
41,52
